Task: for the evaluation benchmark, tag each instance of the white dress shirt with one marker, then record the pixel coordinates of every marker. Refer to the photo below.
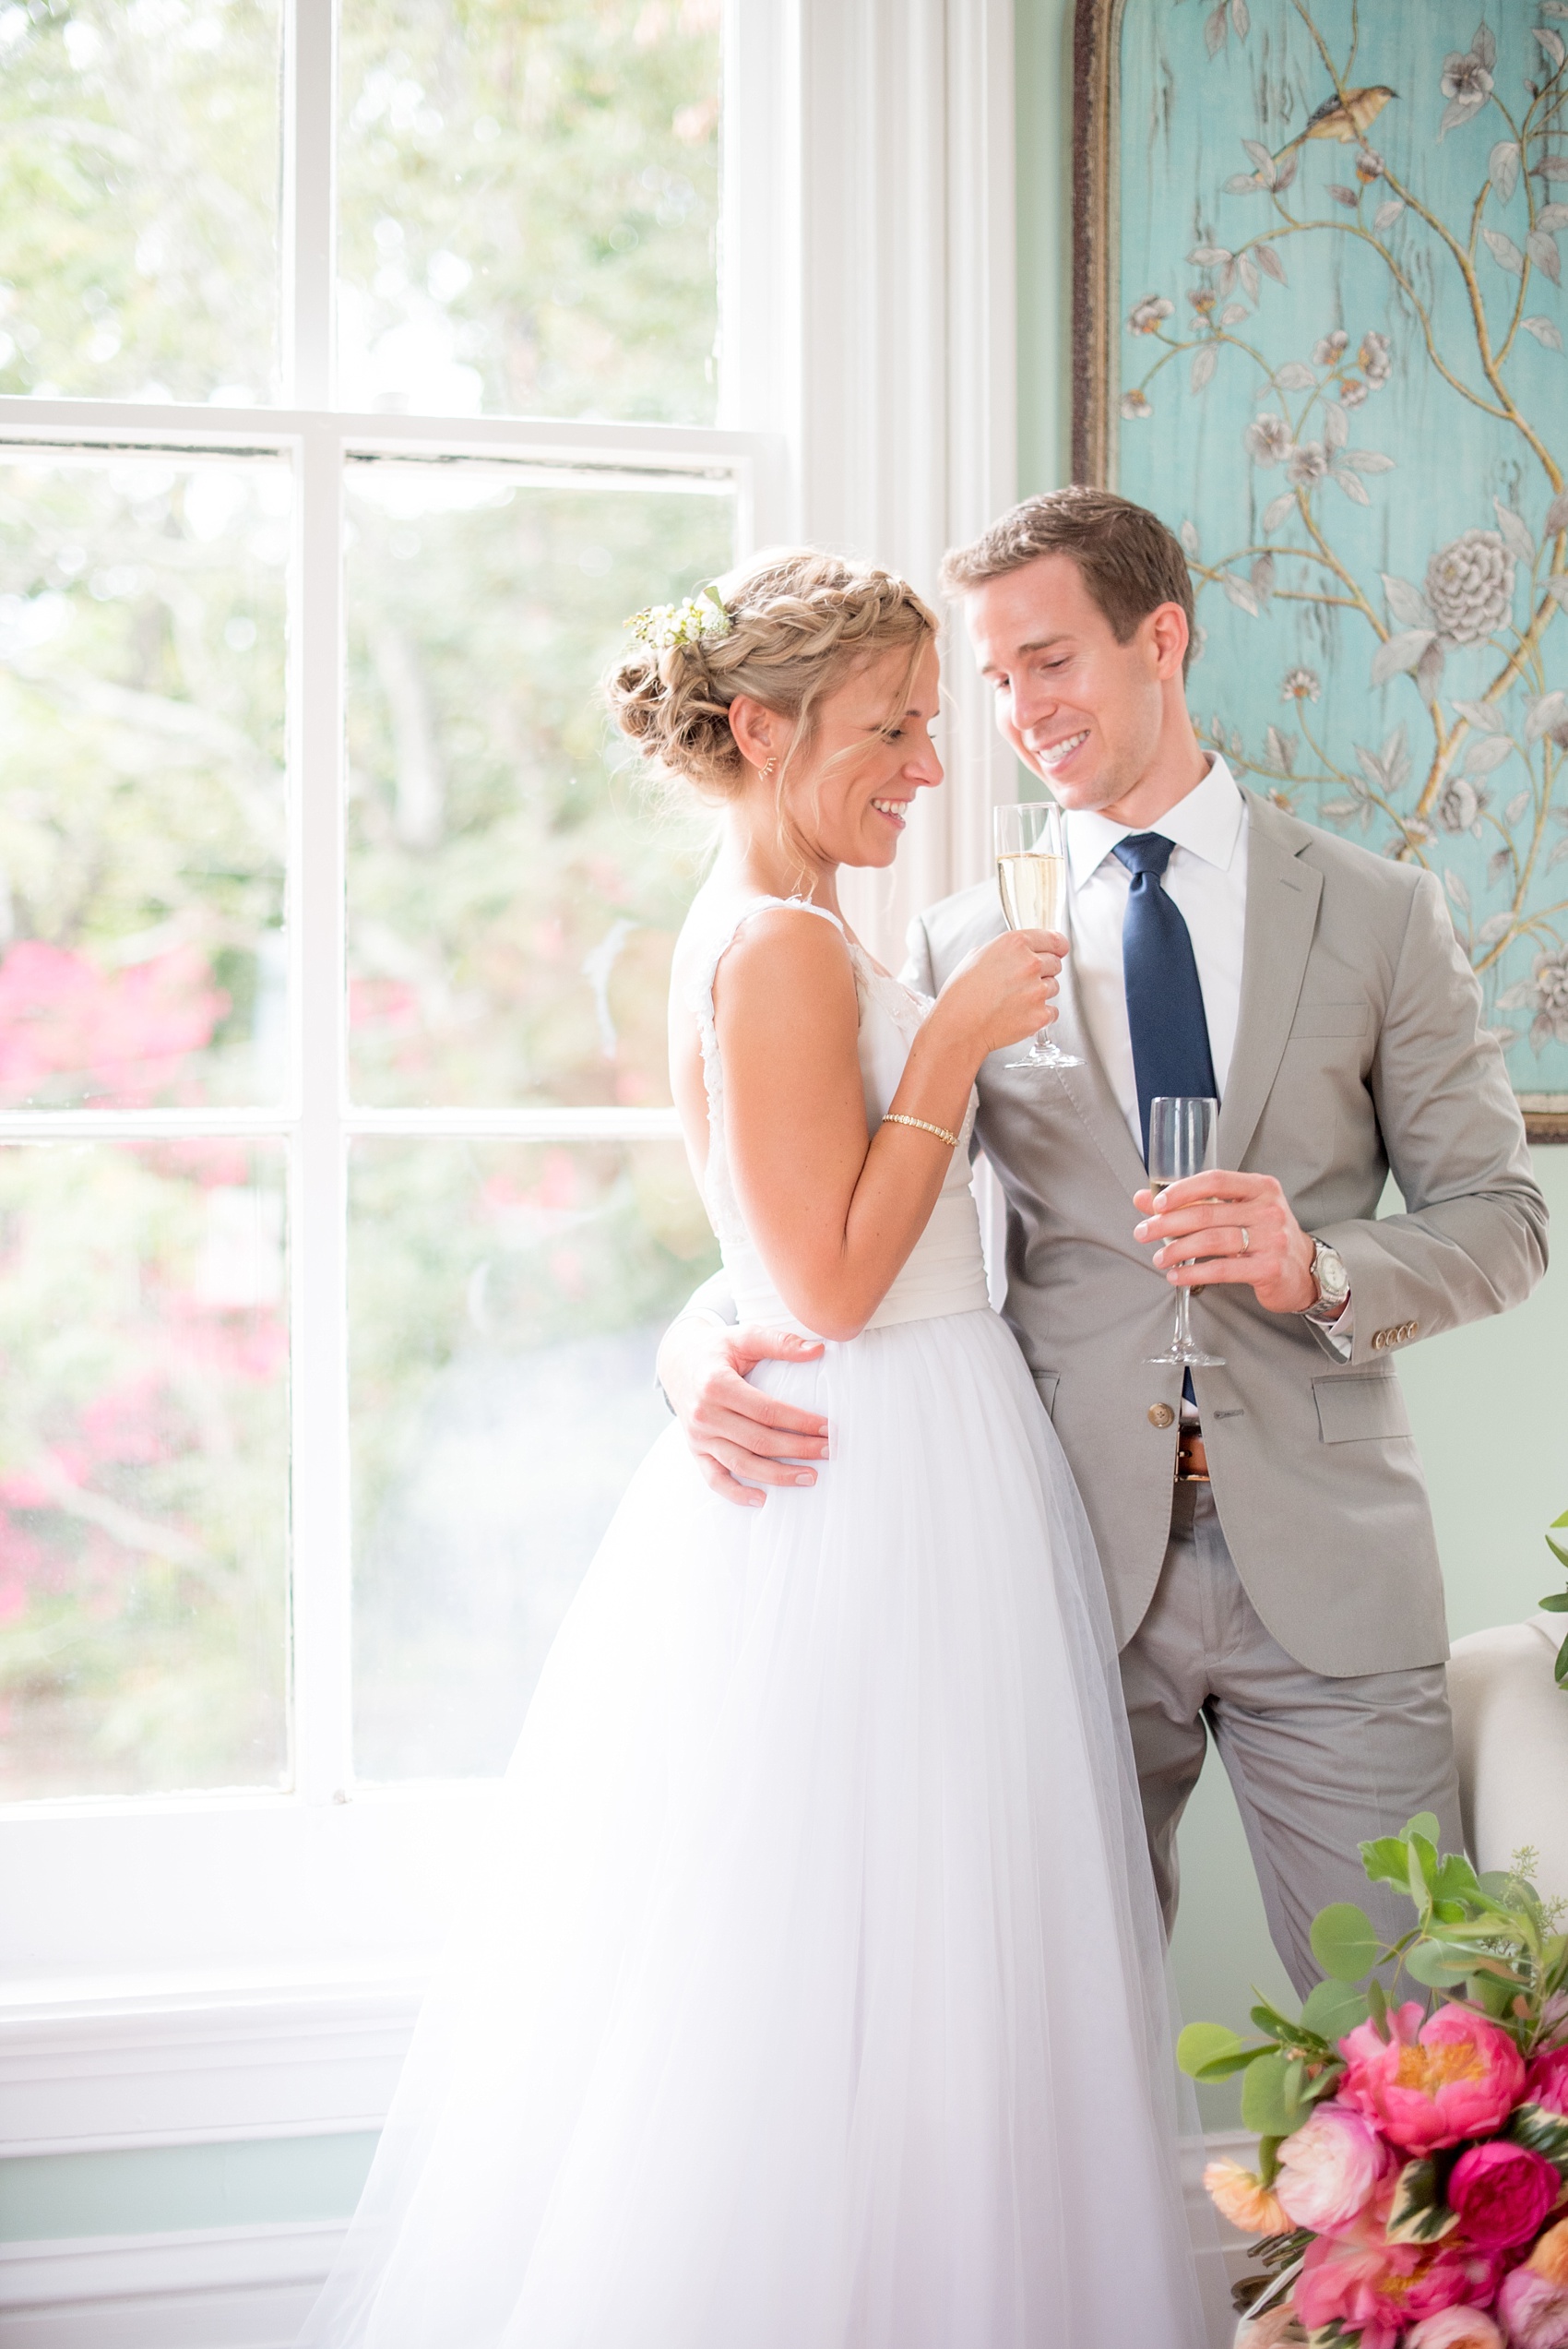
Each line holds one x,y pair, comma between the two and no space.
1207,879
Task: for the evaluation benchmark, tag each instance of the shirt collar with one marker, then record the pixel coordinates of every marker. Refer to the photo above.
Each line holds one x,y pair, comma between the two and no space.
1208,822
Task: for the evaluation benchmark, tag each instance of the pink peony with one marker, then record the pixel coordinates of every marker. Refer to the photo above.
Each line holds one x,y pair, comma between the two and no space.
1502,2193
1534,2312
1432,2084
1329,2168
1456,2329
1548,2081
1381,2287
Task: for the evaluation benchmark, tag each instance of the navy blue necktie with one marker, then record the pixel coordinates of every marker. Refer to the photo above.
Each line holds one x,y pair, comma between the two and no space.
1165,1002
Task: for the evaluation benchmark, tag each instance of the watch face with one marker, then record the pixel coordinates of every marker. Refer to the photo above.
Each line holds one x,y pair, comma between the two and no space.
1332,1277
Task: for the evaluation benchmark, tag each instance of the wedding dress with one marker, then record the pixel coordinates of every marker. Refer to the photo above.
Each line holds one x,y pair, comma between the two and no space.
814,1998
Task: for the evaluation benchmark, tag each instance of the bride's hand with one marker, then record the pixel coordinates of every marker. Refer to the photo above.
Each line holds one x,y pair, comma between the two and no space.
1004,991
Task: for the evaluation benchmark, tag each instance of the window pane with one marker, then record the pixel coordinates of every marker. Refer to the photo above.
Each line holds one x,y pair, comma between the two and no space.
138,199
142,1467
528,191
506,1301
513,898
142,822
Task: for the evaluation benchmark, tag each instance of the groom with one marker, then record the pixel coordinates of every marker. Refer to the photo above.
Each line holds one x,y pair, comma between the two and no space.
1264,1526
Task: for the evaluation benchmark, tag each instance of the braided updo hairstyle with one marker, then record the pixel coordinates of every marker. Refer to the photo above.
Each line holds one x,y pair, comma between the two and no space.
800,623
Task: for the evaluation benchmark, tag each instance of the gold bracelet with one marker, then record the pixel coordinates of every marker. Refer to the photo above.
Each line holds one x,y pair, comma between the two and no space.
894,1117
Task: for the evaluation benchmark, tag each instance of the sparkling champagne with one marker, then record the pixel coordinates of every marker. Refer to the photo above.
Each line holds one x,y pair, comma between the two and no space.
1034,889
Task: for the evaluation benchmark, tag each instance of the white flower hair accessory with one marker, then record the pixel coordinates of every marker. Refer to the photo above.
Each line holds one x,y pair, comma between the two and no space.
662,625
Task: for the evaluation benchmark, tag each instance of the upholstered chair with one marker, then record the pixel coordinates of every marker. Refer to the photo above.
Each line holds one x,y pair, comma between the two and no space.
1511,1728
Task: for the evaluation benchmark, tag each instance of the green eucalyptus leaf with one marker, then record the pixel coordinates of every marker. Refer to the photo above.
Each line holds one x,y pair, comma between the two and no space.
1272,2105
1437,1967
1206,2043
1555,1603
1493,1995
1344,1941
1560,1670
1333,2009
1268,2160
1377,2008
1557,1550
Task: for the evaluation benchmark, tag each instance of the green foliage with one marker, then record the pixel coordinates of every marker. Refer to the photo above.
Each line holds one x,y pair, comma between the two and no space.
1489,1937
1556,1602
1345,1942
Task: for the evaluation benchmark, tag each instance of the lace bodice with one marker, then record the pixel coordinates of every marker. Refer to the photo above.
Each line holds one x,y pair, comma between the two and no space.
946,1271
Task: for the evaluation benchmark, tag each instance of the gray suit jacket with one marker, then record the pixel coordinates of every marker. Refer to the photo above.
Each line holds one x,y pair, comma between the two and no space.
1360,1051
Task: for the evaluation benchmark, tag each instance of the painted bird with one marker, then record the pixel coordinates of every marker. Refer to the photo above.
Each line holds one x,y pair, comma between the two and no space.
1346,118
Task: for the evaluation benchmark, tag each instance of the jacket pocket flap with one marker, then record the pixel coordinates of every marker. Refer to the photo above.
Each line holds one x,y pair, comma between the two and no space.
1360,1406
1330,1019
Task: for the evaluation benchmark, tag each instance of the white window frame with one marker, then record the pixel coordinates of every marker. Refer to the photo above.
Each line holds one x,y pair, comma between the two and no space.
866,401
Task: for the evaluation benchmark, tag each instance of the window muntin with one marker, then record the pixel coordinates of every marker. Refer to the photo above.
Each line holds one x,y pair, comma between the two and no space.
142,952
139,200
143,1465
528,203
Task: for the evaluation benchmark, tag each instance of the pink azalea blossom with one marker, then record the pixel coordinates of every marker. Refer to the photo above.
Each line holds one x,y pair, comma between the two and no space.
1456,2329
1502,2193
1329,2168
1534,2312
1431,2084
1381,2288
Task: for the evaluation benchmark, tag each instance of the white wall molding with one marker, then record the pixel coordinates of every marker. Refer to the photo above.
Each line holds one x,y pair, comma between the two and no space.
196,2065
247,2287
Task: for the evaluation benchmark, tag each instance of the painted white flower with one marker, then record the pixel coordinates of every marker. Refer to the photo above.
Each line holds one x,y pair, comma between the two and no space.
1145,316
1134,404
1459,806
1300,685
1552,1000
1466,78
1469,586
1268,438
1307,465
1352,391
1375,360
1331,349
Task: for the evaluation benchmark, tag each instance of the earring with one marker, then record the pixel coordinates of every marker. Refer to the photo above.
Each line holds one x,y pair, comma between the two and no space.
770,768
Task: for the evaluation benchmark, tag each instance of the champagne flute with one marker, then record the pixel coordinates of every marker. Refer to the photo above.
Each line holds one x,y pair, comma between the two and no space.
1031,872
1183,1139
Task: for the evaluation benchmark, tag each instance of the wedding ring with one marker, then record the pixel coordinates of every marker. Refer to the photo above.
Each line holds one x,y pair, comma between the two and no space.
1246,1239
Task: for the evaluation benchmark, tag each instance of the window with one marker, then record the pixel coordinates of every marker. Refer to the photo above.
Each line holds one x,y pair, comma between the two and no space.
341,1194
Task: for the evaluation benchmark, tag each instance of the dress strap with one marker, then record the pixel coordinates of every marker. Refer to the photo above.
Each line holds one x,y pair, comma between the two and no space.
707,970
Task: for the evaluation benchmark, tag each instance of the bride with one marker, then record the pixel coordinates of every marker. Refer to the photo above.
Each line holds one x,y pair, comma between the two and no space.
814,1998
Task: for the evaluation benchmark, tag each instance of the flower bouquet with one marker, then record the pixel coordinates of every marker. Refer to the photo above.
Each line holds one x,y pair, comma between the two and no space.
1411,2187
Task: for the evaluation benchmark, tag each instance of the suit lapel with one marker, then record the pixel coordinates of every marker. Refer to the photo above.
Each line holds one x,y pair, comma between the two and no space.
1089,1089
1282,903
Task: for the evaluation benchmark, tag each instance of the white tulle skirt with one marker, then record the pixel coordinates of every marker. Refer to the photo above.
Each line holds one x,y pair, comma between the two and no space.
815,1997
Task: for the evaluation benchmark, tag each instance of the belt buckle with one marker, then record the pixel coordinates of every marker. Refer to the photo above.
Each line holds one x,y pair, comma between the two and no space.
1185,1439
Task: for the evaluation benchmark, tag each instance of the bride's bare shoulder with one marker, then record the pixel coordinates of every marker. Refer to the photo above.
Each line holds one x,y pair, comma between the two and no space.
785,956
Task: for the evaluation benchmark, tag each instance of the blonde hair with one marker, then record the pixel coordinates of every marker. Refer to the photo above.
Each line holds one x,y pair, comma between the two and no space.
800,623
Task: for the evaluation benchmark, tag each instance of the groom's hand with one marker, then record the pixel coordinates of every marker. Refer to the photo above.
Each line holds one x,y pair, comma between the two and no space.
740,1437
1210,1229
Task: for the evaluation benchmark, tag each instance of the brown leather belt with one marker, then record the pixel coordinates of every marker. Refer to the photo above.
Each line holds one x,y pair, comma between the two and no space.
1192,1460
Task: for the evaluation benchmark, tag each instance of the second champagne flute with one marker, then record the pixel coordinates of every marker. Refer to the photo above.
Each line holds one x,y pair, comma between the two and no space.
1183,1139
1031,872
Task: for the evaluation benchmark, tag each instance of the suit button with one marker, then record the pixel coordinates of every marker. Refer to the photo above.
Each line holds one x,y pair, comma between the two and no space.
1381,1341
1412,1328
1160,1415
